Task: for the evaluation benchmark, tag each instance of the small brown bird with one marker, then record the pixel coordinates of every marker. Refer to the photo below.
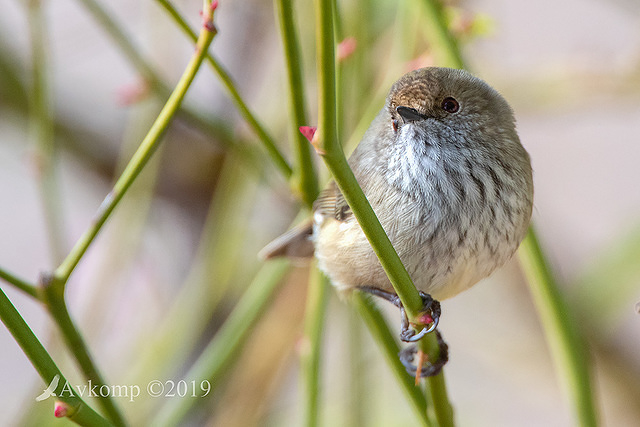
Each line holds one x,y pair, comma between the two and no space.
446,175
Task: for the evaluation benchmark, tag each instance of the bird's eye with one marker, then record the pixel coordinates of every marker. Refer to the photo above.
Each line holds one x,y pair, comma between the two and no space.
394,124
450,105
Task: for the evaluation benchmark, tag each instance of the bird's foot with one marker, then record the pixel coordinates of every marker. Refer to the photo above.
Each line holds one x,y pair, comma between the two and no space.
428,368
427,319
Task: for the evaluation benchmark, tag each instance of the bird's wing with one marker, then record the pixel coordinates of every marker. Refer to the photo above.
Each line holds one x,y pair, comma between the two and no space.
332,204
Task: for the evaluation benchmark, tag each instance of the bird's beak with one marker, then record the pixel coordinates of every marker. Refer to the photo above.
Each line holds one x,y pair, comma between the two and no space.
409,114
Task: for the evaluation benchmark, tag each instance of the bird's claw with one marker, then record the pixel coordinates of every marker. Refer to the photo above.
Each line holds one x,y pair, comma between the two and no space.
428,369
431,310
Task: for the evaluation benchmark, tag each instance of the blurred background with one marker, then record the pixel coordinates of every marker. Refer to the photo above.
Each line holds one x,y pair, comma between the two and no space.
181,248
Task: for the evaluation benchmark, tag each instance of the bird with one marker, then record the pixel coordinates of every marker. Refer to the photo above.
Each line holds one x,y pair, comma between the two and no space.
450,182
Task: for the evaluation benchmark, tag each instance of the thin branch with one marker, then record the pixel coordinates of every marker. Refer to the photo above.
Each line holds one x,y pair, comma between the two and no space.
141,156
78,411
53,286
54,300
331,151
20,284
442,409
149,74
304,180
333,155
267,140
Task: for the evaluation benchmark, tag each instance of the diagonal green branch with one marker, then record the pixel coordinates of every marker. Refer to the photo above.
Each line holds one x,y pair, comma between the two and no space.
18,283
267,140
331,151
54,285
141,156
54,301
78,411
333,155
149,74
443,42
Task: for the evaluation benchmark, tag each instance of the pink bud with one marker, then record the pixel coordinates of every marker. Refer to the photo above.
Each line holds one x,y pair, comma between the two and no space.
214,5
425,319
308,132
346,47
61,409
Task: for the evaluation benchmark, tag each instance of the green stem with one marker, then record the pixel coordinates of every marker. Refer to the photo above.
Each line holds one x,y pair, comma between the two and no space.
18,283
223,349
150,76
569,351
304,178
267,140
381,333
79,412
567,346
41,119
312,345
53,295
141,156
333,155
442,408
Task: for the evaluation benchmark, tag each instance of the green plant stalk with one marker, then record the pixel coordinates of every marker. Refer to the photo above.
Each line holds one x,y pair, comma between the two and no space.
267,140
311,351
53,289
443,42
140,158
567,348
333,155
53,296
565,341
79,412
217,357
42,127
331,151
304,180
150,76
442,408
20,284
380,330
